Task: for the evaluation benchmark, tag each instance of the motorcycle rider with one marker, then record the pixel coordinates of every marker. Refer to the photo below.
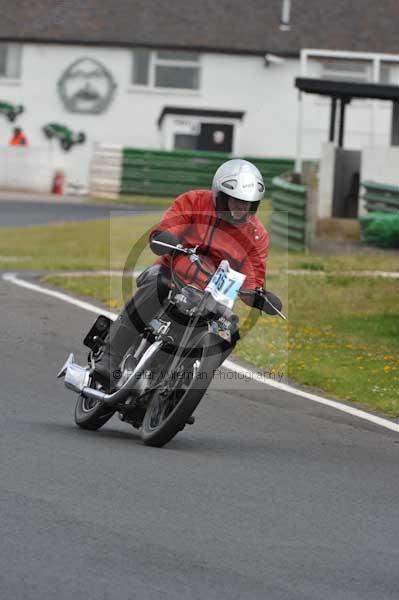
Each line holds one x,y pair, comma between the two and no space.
222,222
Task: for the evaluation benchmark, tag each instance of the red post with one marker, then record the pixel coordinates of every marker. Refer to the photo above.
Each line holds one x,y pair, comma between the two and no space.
58,183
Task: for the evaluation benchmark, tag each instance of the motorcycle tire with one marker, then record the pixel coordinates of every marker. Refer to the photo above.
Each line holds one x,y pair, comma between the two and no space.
166,416
90,414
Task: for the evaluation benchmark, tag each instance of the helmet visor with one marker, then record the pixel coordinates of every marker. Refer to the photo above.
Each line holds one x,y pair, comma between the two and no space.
234,210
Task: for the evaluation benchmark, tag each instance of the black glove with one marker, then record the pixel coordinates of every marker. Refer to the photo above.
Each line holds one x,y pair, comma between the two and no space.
167,238
274,300
263,304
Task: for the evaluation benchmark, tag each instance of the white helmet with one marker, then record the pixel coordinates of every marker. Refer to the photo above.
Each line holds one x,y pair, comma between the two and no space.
238,179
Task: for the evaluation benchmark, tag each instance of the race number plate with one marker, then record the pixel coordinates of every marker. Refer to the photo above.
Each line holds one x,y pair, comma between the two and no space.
225,284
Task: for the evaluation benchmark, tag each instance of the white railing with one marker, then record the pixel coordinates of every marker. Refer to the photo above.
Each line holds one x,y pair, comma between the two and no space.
106,171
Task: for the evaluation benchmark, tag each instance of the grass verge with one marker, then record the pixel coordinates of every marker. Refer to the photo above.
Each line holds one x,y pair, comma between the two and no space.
351,353
139,200
343,333
101,245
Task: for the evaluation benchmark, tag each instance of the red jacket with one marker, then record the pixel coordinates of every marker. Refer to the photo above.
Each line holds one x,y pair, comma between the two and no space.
192,218
18,139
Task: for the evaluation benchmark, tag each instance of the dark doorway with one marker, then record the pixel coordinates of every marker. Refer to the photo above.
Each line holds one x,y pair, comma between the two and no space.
215,137
395,124
346,183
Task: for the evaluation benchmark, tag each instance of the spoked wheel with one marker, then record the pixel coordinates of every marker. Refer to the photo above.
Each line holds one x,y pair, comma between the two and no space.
91,414
175,399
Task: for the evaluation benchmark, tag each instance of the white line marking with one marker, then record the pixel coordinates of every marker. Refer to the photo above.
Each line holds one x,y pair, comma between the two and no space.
134,273
12,278
355,412
313,397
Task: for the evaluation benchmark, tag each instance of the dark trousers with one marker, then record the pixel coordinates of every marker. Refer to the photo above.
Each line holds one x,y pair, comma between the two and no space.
150,297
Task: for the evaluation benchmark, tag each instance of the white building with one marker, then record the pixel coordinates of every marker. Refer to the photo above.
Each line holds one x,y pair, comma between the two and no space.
205,75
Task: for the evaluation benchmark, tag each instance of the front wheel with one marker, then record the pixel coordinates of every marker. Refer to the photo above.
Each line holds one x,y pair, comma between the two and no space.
175,399
91,414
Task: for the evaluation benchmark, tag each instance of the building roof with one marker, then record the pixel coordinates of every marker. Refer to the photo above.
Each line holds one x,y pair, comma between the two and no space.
199,112
236,26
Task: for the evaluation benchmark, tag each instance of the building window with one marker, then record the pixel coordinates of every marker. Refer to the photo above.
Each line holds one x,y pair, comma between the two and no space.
169,69
389,74
10,61
335,69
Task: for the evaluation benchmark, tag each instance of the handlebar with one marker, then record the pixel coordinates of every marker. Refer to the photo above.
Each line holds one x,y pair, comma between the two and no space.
194,257
191,252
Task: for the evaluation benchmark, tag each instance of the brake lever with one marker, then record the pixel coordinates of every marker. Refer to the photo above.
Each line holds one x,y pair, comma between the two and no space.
176,248
280,314
261,292
192,254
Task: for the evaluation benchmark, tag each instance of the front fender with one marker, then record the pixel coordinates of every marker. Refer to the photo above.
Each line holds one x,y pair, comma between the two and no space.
213,342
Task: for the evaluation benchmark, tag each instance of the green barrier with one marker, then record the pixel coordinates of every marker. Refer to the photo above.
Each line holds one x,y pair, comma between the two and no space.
381,198
161,173
271,167
381,226
380,229
289,216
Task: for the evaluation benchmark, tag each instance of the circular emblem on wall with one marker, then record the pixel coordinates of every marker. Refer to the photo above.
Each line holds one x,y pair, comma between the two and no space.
86,86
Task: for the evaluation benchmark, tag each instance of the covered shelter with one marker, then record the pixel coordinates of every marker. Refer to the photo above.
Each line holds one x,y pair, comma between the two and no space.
345,91
341,169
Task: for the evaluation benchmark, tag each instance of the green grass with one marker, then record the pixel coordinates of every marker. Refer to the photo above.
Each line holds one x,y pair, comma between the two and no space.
362,260
90,245
141,200
93,245
311,265
342,339
342,336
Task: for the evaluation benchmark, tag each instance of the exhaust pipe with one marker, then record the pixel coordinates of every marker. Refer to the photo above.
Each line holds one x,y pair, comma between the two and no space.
76,378
126,389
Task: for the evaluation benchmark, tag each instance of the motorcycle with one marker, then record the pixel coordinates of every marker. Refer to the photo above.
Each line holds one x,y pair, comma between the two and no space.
164,375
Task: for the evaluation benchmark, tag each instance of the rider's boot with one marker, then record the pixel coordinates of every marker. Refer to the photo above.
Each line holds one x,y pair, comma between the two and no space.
120,338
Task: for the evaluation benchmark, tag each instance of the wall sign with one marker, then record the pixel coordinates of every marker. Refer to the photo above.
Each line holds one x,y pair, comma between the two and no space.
187,126
86,86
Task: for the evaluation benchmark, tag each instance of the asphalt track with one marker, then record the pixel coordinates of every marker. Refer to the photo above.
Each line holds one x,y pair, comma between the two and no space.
266,496
20,214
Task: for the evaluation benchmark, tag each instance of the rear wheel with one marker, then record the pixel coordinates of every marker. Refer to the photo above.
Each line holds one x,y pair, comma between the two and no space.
91,414
176,398
66,144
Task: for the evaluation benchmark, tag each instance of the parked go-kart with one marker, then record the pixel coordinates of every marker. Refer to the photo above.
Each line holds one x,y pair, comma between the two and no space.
66,136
